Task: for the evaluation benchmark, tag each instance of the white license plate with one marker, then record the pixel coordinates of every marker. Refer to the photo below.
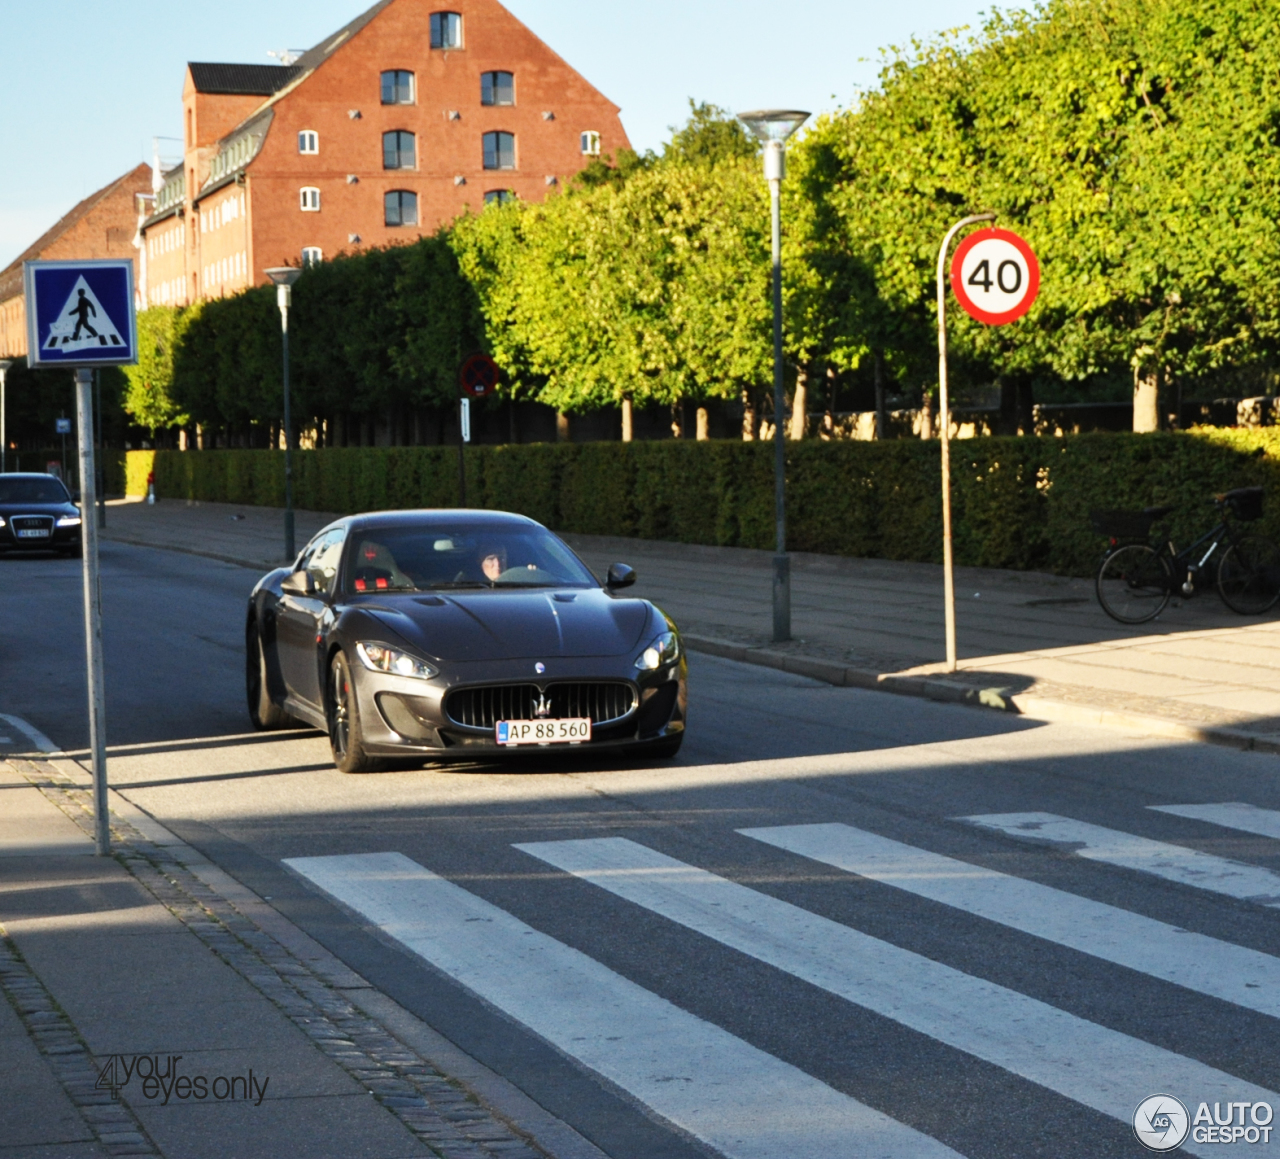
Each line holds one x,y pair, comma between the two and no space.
35,533
567,731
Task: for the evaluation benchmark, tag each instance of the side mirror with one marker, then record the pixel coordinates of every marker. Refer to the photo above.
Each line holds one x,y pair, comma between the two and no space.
620,576
300,583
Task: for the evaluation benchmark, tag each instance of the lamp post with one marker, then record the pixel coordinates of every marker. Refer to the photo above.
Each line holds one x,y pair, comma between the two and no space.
773,127
283,278
5,363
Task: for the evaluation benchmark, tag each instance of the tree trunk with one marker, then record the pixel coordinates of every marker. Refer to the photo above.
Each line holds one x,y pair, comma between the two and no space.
800,404
749,416
926,414
703,423
628,429
677,420
882,416
1146,399
562,427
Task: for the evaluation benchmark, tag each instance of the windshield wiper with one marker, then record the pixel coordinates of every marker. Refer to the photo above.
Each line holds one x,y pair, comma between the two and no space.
458,584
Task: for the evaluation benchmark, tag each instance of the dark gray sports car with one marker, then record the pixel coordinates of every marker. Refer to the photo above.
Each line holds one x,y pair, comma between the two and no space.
460,634
37,514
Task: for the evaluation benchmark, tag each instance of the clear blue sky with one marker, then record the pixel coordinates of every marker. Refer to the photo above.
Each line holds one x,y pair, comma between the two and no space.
85,85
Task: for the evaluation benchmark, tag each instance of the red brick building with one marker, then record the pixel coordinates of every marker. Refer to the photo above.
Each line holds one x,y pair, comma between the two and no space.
410,115
103,225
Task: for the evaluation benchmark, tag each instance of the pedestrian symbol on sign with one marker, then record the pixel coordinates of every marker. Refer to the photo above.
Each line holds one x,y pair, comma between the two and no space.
82,323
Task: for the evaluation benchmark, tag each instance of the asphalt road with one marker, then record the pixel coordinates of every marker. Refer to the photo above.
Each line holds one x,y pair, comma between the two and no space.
866,971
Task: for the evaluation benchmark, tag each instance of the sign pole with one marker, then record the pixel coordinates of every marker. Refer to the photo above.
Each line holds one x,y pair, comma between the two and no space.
92,609
944,409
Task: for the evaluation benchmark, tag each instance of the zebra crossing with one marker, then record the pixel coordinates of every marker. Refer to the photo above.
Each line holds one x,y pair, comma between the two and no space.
744,1102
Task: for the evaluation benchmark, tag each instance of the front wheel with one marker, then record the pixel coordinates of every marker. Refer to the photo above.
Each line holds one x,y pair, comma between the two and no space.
1249,576
1134,584
346,740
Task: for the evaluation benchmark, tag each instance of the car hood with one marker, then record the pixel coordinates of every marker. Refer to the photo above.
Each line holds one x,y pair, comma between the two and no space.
61,508
502,625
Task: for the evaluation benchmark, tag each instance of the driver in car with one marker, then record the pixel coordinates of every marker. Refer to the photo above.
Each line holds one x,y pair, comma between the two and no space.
493,563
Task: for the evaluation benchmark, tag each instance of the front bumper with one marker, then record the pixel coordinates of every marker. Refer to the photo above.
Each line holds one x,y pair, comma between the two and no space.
58,538
401,716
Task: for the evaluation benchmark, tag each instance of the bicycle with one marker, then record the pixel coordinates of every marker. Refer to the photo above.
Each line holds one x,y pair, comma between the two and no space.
1136,581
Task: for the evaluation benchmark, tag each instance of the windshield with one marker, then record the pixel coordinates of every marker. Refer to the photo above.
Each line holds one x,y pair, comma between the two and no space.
419,559
28,490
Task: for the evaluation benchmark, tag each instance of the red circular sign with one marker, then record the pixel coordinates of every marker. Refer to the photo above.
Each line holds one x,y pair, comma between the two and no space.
995,276
478,375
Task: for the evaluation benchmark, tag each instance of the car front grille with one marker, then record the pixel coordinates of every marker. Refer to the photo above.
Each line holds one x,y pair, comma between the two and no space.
43,524
604,701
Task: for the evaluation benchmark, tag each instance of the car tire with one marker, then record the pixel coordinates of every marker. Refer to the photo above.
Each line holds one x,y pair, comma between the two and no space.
346,740
264,713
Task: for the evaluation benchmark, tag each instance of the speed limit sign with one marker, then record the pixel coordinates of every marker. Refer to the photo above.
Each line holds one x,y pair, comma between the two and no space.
995,276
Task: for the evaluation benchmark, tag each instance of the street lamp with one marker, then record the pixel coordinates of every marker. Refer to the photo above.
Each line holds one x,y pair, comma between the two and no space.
773,127
283,278
5,363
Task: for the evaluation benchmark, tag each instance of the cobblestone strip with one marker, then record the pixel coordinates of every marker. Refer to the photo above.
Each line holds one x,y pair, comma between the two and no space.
112,1122
443,1115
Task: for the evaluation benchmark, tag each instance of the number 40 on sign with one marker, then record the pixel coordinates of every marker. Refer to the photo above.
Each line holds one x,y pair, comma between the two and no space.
995,276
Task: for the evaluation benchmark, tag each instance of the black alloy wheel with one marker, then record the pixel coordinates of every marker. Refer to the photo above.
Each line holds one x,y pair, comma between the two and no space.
345,738
263,711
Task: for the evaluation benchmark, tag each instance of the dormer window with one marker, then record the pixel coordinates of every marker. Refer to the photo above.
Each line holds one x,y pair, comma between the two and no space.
497,88
590,144
308,141
446,30
397,87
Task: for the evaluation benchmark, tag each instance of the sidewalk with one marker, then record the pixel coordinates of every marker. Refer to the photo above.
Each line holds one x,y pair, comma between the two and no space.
1028,642
153,963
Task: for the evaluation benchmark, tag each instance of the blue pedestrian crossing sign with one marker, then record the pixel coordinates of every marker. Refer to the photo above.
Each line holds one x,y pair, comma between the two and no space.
80,313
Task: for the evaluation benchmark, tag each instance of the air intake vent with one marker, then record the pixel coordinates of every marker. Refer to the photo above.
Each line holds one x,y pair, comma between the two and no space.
604,701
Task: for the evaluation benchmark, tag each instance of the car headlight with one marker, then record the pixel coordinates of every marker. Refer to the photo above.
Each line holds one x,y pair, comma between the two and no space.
68,521
663,650
2,522
380,658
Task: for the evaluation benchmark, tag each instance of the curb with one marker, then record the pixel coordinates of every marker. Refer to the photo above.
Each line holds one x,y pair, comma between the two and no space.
998,698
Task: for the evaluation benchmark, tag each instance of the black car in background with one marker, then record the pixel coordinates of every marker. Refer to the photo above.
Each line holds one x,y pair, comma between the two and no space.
37,514
464,634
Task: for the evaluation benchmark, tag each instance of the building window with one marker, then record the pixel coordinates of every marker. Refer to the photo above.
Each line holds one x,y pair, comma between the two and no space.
400,207
311,256
591,144
309,199
497,88
499,151
397,87
308,141
446,30
397,150
498,197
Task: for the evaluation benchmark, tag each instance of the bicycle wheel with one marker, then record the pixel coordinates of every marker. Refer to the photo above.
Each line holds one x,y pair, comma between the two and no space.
1134,584
1249,575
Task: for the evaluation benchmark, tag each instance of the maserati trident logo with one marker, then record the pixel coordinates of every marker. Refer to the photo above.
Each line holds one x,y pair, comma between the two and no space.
542,709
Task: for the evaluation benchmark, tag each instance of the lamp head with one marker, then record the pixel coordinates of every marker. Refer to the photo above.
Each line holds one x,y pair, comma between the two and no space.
283,275
773,124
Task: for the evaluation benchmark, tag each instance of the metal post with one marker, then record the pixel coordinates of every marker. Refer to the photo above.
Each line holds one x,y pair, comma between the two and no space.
948,571
5,363
100,477
290,550
781,560
92,611
462,460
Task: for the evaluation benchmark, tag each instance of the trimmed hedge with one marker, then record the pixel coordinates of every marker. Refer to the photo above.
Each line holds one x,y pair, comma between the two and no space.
1019,503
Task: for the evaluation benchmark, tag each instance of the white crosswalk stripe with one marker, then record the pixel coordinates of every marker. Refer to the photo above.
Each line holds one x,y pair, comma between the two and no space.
1171,862
736,1098
1230,815
1101,1068
1210,966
